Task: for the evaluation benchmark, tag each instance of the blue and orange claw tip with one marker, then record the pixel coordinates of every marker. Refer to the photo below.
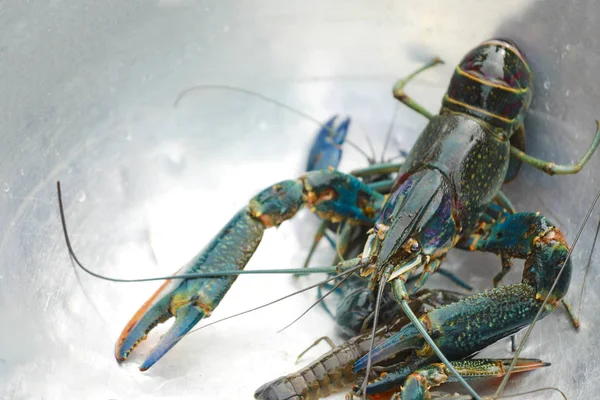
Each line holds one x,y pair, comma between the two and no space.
174,298
187,316
153,312
525,364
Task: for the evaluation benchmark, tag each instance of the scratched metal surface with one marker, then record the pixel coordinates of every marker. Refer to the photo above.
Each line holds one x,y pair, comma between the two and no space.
87,97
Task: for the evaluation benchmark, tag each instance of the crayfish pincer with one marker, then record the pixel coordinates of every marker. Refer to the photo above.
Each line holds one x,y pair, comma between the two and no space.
329,193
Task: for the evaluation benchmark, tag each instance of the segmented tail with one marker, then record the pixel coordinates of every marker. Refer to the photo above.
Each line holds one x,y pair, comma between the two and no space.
327,375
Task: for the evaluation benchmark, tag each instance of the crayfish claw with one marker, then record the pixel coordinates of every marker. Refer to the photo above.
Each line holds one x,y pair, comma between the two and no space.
179,299
152,313
190,300
522,365
185,319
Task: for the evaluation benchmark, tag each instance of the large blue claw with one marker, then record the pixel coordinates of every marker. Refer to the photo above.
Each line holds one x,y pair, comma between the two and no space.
190,300
326,150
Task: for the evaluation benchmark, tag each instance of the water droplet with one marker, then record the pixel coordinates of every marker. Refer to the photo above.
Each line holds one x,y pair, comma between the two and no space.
567,93
547,85
6,188
81,198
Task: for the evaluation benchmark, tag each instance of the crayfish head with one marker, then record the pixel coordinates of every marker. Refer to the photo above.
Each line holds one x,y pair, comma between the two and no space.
421,225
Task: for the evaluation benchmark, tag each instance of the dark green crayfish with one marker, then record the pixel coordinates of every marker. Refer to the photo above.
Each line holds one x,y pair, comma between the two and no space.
446,195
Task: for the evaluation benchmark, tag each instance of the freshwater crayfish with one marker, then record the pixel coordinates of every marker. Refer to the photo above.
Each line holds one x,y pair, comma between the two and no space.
446,194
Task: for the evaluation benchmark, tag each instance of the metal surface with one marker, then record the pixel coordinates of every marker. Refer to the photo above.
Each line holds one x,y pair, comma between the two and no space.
87,97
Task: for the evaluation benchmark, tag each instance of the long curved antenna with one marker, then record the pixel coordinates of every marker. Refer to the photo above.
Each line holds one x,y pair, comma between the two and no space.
537,316
388,136
268,100
382,283
373,158
316,303
587,270
341,267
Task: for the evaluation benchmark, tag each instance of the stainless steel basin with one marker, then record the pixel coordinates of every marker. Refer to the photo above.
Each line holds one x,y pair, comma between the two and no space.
87,97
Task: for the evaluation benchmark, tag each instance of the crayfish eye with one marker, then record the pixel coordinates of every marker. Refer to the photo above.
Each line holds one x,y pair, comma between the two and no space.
414,247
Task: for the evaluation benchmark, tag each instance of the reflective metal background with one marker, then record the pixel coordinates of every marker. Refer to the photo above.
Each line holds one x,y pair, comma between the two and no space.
87,92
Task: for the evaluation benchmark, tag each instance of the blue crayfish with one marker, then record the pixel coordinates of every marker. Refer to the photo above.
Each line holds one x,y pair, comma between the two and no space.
445,195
